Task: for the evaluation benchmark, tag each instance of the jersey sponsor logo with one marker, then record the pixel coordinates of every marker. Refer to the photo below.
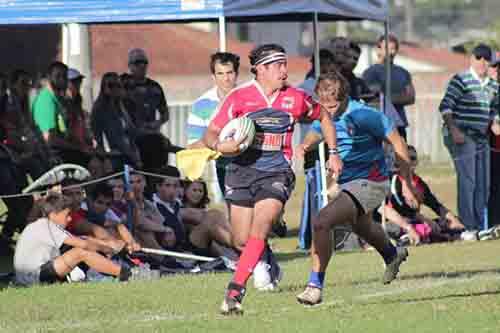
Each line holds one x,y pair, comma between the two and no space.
251,103
288,103
268,141
268,121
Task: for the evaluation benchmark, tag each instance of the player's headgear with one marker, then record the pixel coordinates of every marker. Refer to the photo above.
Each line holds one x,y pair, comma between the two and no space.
266,54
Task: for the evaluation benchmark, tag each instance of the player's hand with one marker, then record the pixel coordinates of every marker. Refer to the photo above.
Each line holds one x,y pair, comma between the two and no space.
457,135
229,146
453,222
409,195
414,236
301,150
116,245
334,165
133,247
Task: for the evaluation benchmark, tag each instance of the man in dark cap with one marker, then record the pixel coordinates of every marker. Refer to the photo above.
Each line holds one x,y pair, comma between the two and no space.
469,109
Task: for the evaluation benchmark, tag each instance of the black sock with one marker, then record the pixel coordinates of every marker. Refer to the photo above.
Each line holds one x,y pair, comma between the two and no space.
125,273
389,252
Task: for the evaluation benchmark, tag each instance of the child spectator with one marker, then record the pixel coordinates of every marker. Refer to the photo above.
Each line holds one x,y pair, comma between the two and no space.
38,257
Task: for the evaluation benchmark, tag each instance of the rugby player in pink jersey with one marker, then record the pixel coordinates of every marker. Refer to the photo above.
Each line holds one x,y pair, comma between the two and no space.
260,180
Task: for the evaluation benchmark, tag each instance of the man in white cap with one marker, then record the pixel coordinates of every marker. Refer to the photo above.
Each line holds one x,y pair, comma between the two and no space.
78,130
149,113
147,94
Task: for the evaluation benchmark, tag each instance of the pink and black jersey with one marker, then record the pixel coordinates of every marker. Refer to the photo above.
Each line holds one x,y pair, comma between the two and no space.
274,122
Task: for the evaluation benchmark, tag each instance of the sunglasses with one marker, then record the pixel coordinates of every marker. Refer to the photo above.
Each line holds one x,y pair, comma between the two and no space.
103,203
114,85
480,57
170,185
140,62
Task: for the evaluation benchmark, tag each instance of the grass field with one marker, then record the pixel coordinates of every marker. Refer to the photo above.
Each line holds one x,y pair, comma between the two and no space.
442,288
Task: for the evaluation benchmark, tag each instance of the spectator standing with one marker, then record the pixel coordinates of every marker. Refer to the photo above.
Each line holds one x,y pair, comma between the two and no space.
346,54
111,124
468,108
402,89
47,106
224,67
78,123
149,111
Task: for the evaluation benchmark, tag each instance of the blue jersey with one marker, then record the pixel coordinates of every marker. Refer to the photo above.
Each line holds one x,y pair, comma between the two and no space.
361,131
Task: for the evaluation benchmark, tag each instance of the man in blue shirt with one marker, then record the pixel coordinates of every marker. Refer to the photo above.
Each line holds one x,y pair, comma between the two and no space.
402,89
363,183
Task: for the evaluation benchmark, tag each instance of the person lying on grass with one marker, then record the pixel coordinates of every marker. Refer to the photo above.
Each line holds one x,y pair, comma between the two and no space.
38,257
420,228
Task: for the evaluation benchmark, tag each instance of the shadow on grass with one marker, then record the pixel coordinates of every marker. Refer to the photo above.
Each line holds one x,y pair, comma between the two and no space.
437,298
299,254
438,275
450,275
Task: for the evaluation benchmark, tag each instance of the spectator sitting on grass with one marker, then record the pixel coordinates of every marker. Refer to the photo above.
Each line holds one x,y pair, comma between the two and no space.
149,229
38,257
198,230
397,211
119,204
195,194
84,223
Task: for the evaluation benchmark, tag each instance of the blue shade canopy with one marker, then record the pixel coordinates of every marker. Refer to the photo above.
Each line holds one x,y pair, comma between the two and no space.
100,11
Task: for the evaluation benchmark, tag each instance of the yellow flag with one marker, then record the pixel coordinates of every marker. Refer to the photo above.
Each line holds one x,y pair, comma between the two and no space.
192,162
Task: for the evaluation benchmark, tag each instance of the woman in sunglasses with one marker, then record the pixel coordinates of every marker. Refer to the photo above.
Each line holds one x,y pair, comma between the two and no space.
111,124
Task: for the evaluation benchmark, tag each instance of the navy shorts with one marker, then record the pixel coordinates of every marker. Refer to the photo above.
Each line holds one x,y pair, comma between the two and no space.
246,186
48,273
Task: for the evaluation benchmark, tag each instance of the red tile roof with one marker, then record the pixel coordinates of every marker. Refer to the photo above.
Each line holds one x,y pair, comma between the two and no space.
173,49
444,58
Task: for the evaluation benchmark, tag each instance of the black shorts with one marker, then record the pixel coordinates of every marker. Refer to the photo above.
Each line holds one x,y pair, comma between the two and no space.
246,186
48,273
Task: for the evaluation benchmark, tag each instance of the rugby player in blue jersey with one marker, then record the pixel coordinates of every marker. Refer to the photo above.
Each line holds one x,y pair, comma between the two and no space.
364,181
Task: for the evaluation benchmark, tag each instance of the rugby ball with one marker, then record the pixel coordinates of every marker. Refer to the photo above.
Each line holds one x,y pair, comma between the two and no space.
236,129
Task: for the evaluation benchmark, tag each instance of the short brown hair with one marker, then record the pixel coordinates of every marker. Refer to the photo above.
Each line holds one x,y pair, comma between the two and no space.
54,203
391,38
335,76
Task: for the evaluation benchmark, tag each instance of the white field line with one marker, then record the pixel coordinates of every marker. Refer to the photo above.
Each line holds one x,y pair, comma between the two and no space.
149,318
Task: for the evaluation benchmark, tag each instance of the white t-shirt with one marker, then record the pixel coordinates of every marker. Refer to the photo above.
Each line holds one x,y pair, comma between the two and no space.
39,243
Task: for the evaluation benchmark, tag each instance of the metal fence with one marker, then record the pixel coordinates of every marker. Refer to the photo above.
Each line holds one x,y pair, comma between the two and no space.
424,130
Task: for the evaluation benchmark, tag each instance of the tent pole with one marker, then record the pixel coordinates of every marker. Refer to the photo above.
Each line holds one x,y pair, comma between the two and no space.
222,34
387,60
323,189
316,45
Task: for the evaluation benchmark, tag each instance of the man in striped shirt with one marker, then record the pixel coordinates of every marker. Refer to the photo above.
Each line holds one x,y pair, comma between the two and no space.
469,108
224,67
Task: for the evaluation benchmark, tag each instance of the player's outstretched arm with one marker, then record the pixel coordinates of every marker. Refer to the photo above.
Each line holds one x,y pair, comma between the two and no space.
403,159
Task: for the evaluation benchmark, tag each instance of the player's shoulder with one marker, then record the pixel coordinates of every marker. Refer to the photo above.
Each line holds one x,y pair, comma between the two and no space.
245,90
357,106
209,95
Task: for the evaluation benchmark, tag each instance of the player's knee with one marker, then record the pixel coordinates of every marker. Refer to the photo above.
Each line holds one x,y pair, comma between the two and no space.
239,243
320,223
80,253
